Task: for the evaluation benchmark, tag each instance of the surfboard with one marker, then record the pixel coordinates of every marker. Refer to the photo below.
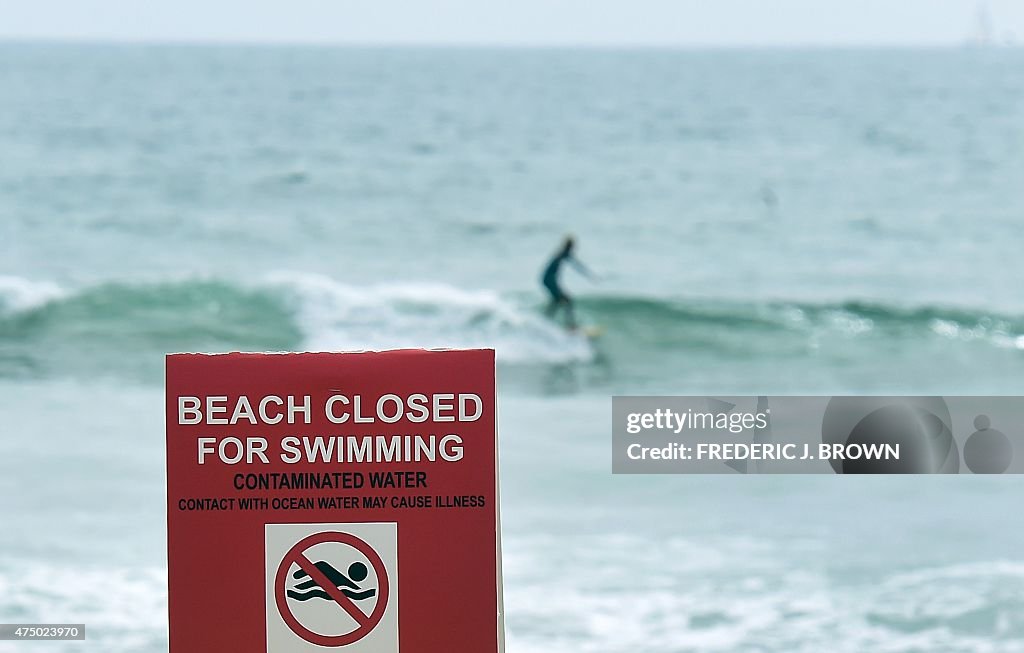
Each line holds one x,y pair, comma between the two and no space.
590,332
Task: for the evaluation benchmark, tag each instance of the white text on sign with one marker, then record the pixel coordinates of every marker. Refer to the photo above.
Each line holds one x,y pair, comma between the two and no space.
338,409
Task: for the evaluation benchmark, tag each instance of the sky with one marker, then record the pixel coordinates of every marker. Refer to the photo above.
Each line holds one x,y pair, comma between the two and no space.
657,23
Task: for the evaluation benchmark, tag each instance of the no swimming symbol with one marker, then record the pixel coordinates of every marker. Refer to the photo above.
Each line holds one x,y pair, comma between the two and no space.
325,582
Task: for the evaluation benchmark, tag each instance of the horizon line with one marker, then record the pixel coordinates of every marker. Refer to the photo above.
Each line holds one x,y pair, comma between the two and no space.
506,45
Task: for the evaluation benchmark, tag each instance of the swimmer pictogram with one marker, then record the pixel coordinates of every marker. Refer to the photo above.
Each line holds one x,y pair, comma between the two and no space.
321,580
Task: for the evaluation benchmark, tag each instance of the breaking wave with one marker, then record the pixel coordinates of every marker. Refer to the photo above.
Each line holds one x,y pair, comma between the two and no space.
122,328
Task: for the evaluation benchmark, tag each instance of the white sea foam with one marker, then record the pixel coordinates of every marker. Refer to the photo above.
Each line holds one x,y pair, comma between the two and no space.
18,294
622,593
336,316
124,610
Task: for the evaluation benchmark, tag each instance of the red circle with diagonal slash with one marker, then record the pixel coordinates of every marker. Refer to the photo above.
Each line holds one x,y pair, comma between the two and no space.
296,555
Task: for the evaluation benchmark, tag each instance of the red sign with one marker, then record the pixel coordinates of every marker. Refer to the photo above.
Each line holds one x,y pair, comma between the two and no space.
333,502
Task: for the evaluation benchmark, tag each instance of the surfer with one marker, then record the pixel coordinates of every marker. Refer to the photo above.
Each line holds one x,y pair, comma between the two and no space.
559,298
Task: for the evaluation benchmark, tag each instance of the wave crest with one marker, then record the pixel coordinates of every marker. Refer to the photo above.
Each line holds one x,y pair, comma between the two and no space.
18,294
336,316
125,328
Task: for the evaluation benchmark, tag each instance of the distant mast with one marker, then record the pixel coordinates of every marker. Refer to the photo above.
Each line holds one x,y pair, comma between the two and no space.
983,26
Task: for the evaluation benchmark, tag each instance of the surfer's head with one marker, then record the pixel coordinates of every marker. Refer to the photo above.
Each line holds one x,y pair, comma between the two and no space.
568,244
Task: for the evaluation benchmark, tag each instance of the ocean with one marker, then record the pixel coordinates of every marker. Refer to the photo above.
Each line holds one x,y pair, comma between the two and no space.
760,222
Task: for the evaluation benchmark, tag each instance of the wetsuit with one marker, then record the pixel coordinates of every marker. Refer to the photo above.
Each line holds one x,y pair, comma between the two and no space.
550,278
550,281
